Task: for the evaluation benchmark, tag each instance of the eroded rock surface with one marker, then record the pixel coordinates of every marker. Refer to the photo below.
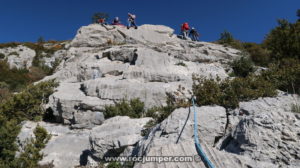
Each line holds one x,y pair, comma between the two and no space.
115,135
110,63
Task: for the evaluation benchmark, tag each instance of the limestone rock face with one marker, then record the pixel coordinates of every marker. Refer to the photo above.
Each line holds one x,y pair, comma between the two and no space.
70,106
186,150
267,137
110,63
105,64
115,135
261,133
179,126
18,57
66,148
174,137
267,130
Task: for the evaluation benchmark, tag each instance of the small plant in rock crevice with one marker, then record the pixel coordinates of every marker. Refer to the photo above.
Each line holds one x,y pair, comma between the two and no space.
181,64
295,108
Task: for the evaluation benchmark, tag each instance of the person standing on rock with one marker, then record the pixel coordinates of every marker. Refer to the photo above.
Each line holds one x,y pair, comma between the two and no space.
194,34
184,30
131,21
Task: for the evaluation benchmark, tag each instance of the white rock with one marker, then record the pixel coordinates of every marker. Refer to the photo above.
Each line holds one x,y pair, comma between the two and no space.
19,57
115,135
66,148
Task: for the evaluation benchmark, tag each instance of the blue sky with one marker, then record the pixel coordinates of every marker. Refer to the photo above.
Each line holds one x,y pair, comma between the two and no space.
247,20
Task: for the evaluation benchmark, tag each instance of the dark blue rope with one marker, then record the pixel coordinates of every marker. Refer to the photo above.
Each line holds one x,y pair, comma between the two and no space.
199,149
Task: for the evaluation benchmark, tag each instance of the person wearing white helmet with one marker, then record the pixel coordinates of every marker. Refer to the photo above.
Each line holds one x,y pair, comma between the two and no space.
131,21
116,21
194,34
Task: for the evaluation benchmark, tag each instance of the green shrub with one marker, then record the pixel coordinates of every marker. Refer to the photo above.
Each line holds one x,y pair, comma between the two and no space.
27,104
161,113
15,78
4,94
229,93
243,67
40,40
252,87
2,56
286,75
147,128
42,52
258,54
19,107
31,154
133,108
114,165
227,39
9,130
296,108
283,41
181,64
7,45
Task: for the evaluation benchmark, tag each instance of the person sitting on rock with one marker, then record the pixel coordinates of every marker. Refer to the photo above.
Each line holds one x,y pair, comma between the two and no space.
131,21
117,21
184,30
194,34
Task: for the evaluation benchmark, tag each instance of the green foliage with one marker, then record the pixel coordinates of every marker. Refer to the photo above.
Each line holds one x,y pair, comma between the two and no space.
41,137
296,108
226,38
181,64
27,104
229,93
147,128
40,40
243,67
42,52
133,108
15,78
7,45
99,15
258,54
161,113
283,41
298,13
285,75
4,91
31,155
2,56
9,130
19,107
114,165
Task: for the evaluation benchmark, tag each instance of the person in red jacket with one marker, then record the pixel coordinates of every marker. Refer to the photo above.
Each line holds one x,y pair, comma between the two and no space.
102,21
185,29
